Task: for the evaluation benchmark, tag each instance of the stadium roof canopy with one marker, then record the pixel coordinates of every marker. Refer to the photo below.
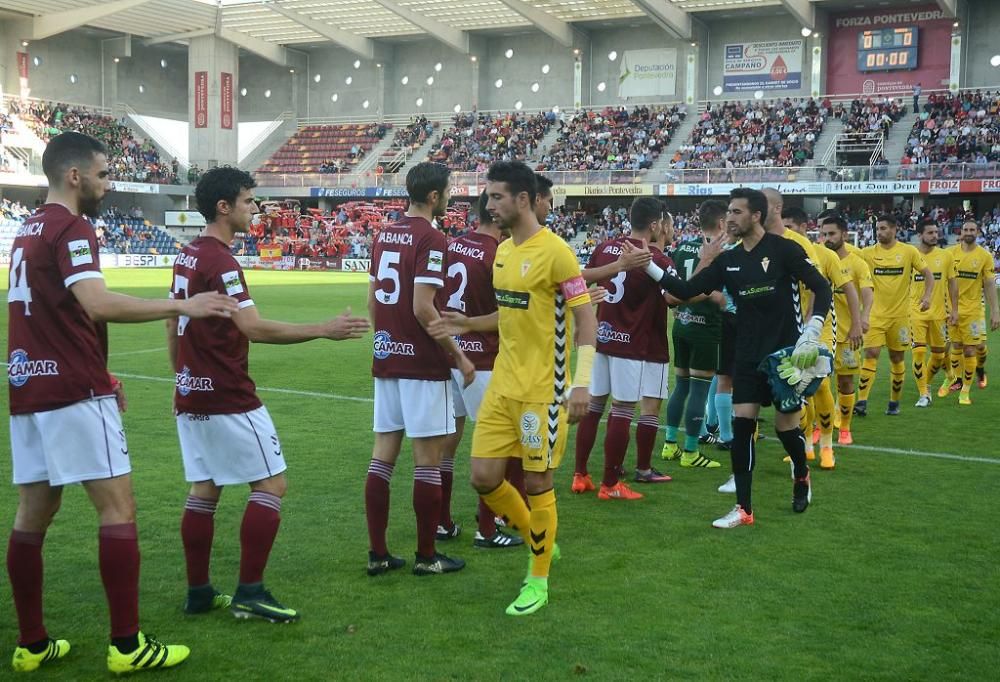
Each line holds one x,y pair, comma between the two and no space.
264,26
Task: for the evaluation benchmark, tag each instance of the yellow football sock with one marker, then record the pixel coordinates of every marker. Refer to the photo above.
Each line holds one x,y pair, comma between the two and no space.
508,503
955,365
897,370
981,353
937,362
846,401
824,413
544,522
969,365
868,368
920,373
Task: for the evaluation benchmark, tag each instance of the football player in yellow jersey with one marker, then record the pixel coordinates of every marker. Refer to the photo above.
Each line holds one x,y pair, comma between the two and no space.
974,271
828,263
892,265
846,364
530,399
927,327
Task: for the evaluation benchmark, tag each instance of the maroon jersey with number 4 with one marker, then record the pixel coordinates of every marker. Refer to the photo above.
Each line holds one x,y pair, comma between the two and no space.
632,319
469,290
405,254
56,354
212,373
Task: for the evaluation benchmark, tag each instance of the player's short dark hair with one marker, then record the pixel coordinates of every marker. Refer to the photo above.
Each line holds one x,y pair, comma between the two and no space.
644,211
517,175
795,214
756,200
971,221
68,150
484,216
887,218
925,223
223,183
424,178
826,213
711,212
834,218
544,184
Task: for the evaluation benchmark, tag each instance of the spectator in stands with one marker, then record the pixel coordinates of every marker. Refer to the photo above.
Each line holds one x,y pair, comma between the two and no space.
477,140
917,90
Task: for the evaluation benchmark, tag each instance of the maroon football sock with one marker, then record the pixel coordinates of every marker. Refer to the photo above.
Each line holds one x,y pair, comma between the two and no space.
118,551
427,507
447,477
257,532
616,439
197,531
645,439
377,504
24,568
586,434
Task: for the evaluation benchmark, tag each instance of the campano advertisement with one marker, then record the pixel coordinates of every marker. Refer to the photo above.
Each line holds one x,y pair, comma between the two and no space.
869,36
774,65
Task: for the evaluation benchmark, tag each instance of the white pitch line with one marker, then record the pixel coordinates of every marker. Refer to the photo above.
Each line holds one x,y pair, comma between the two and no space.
288,391
137,352
920,453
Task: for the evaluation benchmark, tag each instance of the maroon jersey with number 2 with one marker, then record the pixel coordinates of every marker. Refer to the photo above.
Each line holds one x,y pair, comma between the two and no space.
632,319
469,290
56,354
405,254
213,355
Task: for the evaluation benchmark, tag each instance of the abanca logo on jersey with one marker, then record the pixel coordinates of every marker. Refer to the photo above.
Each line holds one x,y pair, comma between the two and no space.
384,346
187,383
20,368
606,334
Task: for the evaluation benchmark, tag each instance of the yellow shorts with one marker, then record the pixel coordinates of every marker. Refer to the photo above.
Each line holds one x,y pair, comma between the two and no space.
931,333
893,334
970,331
847,361
533,432
827,340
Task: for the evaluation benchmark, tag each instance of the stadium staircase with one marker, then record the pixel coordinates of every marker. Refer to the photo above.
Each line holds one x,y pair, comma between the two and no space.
833,128
376,155
167,149
681,136
895,144
269,141
420,154
546,143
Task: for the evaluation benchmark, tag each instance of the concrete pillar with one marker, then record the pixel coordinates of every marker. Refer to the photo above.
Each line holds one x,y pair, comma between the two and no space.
211,142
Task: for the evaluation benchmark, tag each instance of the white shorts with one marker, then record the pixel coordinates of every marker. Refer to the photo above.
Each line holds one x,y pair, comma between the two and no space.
229,448
628,380
421,407
468,399
84,441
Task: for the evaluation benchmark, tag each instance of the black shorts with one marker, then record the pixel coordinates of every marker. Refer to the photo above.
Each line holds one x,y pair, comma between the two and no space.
750,385
727,347
696,354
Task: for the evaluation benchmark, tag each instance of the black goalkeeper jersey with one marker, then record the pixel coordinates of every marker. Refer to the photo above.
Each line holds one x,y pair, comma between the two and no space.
764,284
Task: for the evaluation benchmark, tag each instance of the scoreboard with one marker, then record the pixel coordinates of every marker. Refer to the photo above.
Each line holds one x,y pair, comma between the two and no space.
887,49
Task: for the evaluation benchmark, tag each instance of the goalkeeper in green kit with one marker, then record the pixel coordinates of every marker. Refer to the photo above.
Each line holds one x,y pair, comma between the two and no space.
762,274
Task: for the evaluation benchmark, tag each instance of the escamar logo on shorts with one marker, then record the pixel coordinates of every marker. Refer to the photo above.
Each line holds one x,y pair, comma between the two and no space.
530,424
20,368
384,346
607,334
469,346
187,383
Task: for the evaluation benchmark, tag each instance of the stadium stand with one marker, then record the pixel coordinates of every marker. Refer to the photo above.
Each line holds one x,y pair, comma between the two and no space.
963,128
478,139
325,148
615,138
131,158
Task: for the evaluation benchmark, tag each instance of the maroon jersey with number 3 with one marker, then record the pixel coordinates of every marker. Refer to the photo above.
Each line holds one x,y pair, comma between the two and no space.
405,254
212,373
632,319
56,354
468,290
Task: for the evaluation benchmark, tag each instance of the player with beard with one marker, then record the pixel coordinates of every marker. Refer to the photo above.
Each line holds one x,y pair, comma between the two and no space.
762,273
65,426
928,327
411,369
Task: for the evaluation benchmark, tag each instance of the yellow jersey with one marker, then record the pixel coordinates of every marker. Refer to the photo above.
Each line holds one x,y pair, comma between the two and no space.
810,250
892,272
828,264
851,248
536,284
942,266
973,269
856,269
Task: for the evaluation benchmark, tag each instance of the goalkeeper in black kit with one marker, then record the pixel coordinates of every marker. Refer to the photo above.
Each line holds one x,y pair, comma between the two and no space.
762,274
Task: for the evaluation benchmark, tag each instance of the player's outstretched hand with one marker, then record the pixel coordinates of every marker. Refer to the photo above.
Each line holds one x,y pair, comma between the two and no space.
633,256
346,326
576,406
210,304
855,337
597,294
467,369
925,304
119,390
953,316
449,324
711,248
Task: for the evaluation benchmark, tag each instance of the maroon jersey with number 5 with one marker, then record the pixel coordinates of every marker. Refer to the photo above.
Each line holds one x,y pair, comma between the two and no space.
213,355
56,354
468,290
632,319
405,254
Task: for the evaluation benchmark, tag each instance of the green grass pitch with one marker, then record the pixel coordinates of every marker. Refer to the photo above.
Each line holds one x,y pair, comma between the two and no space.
891,574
